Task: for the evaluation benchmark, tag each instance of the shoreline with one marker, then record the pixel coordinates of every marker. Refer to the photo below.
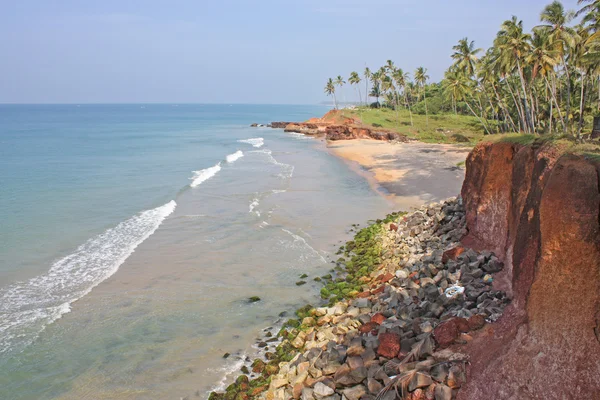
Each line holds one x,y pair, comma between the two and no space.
381,164
367,336
397,170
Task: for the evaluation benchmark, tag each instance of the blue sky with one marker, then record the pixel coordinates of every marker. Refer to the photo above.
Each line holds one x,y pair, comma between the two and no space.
228,51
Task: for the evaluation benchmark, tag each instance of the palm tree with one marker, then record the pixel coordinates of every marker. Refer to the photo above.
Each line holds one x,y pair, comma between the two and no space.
458,86
376,78
544,57
330,91
339,81
368,75
401,78
561,36
355,80
514,44
465,56
421,78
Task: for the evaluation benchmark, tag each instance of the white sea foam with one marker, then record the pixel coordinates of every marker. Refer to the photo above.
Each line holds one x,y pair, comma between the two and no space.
303,242
287,169
253,204
28,307
204,174
235,156
255,142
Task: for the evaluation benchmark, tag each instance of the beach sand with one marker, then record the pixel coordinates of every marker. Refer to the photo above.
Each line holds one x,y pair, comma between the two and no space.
409,174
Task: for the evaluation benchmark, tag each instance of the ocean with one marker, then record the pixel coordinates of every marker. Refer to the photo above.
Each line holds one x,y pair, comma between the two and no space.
133,235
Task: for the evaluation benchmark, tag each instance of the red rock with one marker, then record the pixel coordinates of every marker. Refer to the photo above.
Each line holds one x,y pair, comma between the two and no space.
380,289
394,227
386,278
446,332
389,344
452,254
413,275
378,318
476,322
368,327
363,295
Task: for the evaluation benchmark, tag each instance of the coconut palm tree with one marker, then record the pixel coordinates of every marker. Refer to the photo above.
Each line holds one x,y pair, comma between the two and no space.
556,20
376,91
401,78
330,91
421,79
339,81
368,75
355,80
465,56
514,45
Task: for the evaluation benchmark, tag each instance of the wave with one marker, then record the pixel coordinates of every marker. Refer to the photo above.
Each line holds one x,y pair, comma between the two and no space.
288,169
204,174
235,156
28,307
255,142
300,239
253,204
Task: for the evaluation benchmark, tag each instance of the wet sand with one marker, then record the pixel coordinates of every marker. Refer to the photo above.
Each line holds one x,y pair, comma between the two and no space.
409,174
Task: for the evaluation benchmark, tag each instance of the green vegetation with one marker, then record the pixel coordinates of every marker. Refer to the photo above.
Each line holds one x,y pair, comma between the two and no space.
546,82
441,128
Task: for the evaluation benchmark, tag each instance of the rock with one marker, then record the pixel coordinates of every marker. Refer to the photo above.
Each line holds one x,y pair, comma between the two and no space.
378,318
307,394
420,380
443,392
374,386
355,393
368,327
452,253
389,344
476,322
456,377
446,333
321,390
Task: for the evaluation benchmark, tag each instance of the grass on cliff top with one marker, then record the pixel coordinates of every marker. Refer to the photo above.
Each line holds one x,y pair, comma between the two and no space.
442,128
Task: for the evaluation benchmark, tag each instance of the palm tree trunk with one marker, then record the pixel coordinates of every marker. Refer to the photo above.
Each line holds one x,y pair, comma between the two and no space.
426,111
334,101
567,126
517,105
526,105
477,116
409,107
553,92
581,106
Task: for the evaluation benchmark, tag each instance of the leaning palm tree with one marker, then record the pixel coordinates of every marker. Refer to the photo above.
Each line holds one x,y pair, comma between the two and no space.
421,78
330,91
355,80
458,87
465,56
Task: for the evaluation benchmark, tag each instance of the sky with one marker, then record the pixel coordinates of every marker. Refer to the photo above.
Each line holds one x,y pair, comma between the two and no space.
229,51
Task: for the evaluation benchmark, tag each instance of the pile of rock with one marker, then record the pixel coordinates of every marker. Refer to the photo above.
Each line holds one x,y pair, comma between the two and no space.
402,335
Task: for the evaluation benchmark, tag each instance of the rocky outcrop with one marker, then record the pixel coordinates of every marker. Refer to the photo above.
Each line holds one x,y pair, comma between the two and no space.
335,126
538,210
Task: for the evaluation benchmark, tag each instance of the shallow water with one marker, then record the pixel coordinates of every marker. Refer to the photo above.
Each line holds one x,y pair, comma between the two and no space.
229,216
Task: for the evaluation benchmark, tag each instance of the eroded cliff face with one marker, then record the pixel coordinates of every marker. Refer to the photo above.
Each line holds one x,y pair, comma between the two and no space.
538,210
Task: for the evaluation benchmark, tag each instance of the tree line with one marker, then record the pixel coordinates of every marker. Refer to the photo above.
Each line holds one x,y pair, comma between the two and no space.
543,81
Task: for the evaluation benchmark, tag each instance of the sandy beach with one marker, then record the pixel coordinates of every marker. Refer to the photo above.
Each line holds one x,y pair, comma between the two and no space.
409,174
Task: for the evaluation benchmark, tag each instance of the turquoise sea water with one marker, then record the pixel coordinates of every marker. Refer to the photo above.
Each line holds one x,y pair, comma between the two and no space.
131,234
